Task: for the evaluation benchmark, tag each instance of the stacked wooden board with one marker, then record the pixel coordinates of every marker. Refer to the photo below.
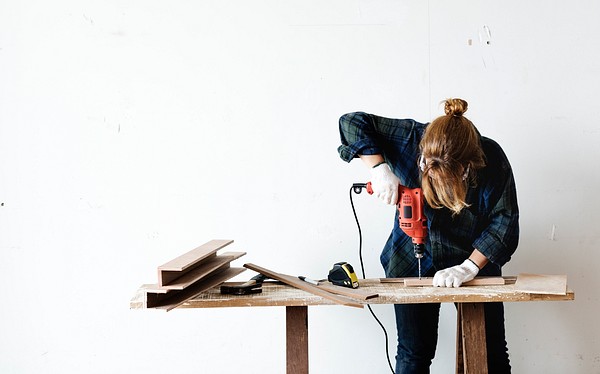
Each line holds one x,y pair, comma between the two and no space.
190,274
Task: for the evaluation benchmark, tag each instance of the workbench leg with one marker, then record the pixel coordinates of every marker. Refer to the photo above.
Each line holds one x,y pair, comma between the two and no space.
471,347
297,339
460,365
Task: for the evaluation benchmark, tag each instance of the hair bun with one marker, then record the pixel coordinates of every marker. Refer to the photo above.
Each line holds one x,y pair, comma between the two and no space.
455,107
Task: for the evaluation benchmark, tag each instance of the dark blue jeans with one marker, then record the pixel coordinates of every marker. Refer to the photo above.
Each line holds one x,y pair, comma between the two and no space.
417,326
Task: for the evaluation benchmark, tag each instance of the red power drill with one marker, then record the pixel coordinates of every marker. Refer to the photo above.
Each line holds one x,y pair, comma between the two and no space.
411,219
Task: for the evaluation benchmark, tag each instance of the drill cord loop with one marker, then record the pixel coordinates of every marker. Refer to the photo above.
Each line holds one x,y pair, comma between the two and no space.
357,188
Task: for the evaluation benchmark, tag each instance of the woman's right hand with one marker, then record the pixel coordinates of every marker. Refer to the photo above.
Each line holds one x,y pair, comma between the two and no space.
385,184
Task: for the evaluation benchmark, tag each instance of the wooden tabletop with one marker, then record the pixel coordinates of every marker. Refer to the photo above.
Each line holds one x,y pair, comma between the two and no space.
390,292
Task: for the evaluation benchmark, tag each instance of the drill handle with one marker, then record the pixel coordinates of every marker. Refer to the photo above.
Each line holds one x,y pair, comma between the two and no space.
358,187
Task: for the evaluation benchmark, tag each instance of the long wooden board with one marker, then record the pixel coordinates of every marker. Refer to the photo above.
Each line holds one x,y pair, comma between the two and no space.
176,267
305,286
478,281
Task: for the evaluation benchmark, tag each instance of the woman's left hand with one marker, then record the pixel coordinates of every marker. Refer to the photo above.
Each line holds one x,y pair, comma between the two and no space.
456,275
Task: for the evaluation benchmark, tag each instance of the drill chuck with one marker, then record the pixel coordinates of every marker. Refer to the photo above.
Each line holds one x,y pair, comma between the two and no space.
419,250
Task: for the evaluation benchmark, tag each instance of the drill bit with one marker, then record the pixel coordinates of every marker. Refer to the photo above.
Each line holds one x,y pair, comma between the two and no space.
419,259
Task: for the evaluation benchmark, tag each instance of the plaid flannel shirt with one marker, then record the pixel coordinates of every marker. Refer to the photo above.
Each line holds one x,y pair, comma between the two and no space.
490,223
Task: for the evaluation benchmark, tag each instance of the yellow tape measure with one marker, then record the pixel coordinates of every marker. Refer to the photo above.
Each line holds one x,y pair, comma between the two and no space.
342,274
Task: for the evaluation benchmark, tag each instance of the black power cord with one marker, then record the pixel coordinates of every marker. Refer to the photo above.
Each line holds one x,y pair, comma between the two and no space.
357,189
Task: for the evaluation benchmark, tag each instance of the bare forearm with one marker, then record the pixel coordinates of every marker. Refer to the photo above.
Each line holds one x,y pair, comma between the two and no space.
371,160
478,258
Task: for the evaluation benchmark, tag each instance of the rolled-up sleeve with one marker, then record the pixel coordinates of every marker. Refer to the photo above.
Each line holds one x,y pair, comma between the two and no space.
499,240
357,133
367,134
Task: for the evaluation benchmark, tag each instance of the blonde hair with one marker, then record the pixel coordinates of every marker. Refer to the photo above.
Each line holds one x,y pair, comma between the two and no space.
451,146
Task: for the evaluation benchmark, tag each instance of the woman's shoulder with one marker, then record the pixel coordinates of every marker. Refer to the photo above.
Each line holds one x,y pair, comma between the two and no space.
495,158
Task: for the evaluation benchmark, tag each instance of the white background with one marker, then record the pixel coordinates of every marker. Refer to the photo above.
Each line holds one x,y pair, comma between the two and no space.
133,131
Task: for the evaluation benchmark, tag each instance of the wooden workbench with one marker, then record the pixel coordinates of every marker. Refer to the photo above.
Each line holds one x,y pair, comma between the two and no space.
471,358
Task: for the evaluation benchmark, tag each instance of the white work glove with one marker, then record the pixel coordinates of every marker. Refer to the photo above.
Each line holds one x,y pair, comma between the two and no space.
385,183
456,275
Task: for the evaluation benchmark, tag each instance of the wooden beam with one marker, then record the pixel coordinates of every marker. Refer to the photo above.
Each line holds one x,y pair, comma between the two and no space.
297,283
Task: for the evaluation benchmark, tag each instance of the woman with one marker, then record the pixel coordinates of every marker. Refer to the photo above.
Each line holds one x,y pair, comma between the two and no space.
470,204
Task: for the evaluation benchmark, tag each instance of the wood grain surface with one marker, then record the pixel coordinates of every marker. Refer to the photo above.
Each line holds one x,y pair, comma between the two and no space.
542,284
276,294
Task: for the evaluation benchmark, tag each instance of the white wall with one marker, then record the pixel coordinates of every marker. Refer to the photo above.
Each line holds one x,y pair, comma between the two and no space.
131,132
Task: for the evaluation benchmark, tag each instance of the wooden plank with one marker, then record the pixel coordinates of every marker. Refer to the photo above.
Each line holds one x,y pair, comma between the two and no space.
542,284
296,339
355,293
478,281
203,269
474,345
168,271
305,286
508,279
174,298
